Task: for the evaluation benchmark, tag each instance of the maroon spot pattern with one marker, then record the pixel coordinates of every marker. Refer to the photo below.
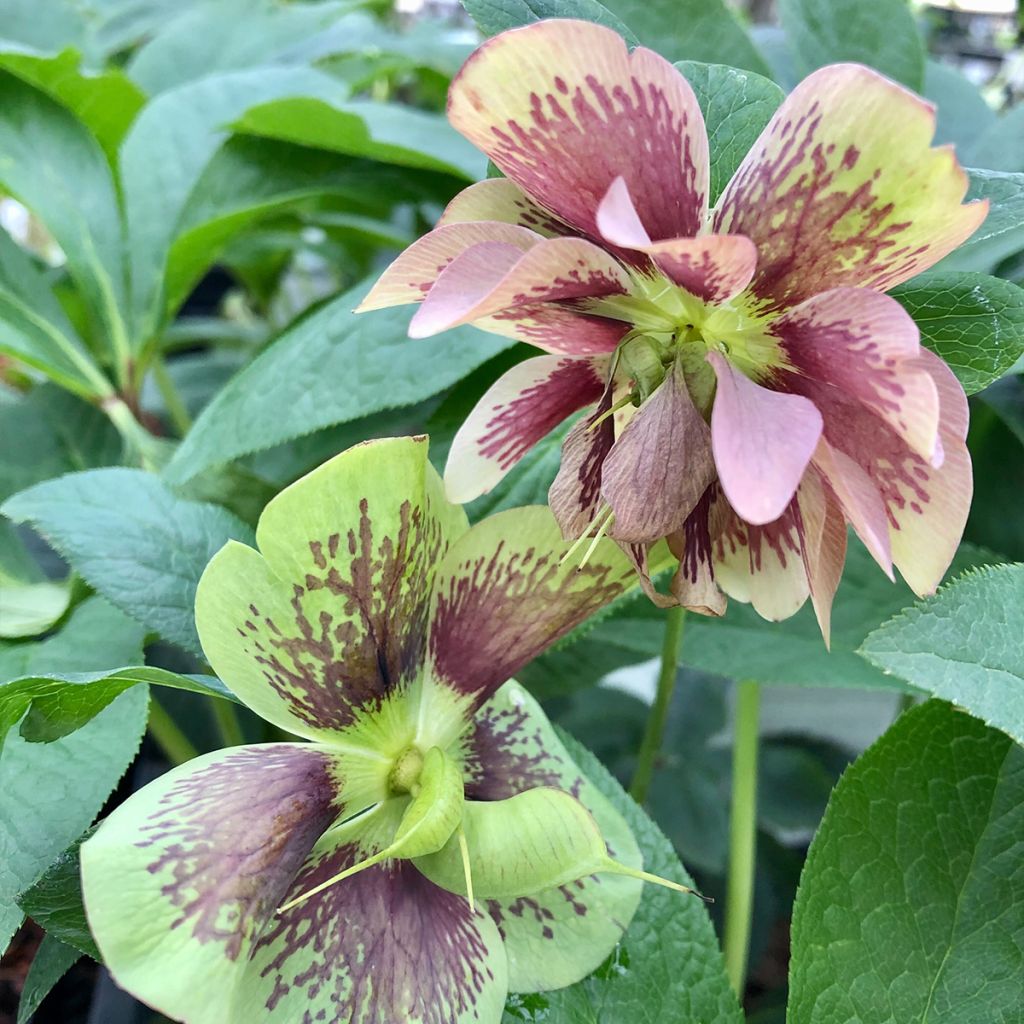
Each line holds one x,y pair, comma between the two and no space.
387,945
517,425
799,254
783,538
562,327
537,909
692,545
234,834
329,665
578,139
494,614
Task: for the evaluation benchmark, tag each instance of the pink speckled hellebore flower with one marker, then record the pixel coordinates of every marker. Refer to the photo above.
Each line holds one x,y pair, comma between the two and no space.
753,388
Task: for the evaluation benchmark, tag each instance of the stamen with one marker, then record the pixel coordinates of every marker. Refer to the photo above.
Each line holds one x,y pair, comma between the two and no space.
645,876
464,850
599,523
334,879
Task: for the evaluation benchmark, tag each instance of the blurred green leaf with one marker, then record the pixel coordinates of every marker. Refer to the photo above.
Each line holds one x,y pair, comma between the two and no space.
494,16
28,609
962,115
880,33
974,322
1001,146
1002,232
52,961
911,903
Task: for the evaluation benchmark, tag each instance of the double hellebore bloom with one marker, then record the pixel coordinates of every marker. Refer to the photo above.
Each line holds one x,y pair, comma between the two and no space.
433,845
753,388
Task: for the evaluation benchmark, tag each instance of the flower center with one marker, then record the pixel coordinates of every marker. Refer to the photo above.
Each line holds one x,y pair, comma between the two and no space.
405,774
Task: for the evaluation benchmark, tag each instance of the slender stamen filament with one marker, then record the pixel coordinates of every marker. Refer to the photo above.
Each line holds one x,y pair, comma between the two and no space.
598,526
467,870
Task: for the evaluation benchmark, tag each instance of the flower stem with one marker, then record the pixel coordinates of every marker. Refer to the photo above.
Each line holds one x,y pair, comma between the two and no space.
655,729
177,747
228,725
172,399
739,901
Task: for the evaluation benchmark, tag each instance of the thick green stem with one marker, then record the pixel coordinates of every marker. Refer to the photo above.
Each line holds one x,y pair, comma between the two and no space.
172,399
228,725
177,747
655,729
739,900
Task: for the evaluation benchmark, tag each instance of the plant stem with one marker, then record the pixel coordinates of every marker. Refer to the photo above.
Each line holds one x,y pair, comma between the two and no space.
739,900
228,726
172,399
655,728
177,747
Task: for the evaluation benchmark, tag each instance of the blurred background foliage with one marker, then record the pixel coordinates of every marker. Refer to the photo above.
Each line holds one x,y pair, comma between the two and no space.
194,194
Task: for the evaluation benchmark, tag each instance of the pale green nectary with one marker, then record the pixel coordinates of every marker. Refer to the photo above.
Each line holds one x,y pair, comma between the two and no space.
330,880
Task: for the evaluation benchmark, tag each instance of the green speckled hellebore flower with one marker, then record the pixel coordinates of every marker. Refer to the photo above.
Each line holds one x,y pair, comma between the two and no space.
753,389
432,846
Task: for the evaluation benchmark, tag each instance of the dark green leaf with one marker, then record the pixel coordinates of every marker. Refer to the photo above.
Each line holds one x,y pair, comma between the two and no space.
736,106
1006,397
974,322
911,904
55,902
52,961
494,16
57,704
881,33
1001,147
387,132
133,540
1002,232
965,644
667,968
962,114
333,367
704,30
50,793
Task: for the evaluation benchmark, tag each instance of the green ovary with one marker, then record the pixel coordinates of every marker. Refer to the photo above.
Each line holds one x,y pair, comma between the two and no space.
405,774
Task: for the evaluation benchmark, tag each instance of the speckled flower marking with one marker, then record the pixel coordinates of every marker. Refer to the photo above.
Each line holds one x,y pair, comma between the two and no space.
375,623
751,386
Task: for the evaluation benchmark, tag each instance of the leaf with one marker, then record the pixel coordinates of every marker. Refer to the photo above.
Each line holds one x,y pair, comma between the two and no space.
331,368
132,540
736,105
1002,232
166,152
49,794
962,114
880,33
56,167
974,322
58,704
494,16
28,609
1001,147
704,30
965,645
911,903
1006,397
387,132
52,961
54,901
105,102
667,969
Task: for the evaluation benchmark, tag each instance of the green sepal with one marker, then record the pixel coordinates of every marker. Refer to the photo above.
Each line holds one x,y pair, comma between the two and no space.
641,360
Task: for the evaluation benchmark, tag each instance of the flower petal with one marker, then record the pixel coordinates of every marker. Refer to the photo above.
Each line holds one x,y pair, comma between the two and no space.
762,442
330,620
824,547
492,277
693,584
659,466
380,946
517,410
413,273
867,345
712,267
563,109
556,328
502,200
842,189
504,592
764,565
180,880
575,494
552,938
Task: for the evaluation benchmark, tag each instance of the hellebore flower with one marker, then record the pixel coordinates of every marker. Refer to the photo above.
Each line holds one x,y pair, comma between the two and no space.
333,880
754,387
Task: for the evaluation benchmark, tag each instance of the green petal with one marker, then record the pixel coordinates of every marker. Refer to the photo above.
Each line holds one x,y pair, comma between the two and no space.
328,622
180,880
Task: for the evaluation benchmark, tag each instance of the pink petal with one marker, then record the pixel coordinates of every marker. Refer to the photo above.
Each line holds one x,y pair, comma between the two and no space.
412,275
867,345
517,410
954,414
712,267
824,547
482,282
502,200
563,109
694,585
762,442
660,465
842,189
556,328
